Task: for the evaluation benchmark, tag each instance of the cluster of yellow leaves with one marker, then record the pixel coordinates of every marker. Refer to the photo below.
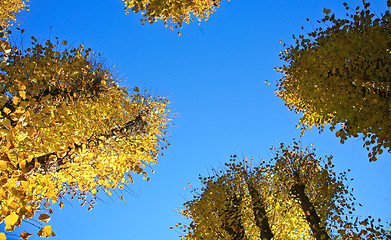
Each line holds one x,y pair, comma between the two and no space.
214,215
67,128
175,12
340,76
8,9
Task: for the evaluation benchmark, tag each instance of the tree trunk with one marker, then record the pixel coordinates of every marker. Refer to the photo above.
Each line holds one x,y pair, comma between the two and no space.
311,216
260,213
231,219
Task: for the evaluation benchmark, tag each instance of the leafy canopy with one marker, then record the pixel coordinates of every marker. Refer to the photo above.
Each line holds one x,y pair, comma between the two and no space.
67,128
172,12
340,76
295,195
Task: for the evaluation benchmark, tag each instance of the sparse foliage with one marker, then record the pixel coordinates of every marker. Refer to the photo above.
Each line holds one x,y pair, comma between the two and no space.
339,75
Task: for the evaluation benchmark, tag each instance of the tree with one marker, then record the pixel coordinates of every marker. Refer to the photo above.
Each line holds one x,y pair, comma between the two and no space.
340,76
295,195
67,128
229,207
174,12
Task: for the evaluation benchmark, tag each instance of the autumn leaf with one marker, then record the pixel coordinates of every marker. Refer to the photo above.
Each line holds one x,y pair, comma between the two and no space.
25,235
22,94
16,100
44,218
6,110
11,219
327,11
46,232
2,236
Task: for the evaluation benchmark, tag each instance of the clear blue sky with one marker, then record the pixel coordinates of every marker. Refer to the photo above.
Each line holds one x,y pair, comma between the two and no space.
213,75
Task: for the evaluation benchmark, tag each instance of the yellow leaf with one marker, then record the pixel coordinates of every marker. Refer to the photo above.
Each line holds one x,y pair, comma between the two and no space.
22,94
2,236
21,86
93,191
9,228
6,122
11,219
3,165
44,218
6,110
15,100
46,232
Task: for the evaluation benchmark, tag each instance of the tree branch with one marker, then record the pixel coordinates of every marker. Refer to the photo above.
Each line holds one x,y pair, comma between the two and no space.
319,231
51,162
259,210
231,219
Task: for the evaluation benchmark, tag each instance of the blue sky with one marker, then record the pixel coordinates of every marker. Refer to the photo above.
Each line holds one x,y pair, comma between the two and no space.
213,75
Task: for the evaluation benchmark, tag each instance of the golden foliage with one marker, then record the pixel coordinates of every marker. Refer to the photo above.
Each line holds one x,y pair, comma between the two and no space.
170,11
67,128
8,9
46,232
214,213
340,76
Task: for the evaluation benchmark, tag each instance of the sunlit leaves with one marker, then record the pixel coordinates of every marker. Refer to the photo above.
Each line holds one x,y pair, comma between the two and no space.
68,129
171,12
339,76
46,232
8,10
296,194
